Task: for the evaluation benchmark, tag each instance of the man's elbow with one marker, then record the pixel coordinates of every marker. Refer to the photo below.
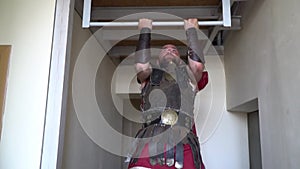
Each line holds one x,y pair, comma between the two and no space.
143,71
197,69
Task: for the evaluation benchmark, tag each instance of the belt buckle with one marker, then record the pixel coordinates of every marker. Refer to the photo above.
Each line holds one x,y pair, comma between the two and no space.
169,117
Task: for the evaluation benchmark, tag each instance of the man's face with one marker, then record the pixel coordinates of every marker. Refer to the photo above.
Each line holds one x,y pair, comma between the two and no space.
169,53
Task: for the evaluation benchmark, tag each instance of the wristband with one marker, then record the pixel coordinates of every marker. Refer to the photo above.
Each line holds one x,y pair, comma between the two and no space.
142,54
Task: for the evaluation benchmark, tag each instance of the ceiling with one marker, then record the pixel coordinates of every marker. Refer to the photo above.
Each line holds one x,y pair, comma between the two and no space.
147,3
103,10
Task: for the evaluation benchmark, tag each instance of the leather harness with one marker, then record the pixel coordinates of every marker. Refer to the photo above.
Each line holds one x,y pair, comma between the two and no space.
167,107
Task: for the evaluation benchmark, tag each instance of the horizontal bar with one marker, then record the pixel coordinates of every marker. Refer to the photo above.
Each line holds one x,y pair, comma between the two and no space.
157,23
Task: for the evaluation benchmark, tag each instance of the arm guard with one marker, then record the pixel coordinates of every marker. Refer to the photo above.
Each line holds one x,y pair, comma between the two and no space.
195,49
142,54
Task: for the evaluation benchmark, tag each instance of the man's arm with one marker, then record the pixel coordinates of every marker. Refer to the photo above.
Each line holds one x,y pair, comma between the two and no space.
195,49
143,55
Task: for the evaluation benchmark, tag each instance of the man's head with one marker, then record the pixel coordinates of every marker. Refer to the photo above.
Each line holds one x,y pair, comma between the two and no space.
169,54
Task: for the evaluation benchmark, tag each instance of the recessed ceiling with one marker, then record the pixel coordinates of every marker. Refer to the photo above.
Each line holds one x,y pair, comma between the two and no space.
204,10
145,3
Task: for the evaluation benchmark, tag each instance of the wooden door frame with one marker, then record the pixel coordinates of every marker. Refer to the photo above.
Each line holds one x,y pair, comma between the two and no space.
53,139
4,52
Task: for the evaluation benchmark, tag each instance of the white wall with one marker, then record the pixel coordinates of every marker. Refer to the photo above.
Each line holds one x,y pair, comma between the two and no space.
80,150
28,27
262,61
223,135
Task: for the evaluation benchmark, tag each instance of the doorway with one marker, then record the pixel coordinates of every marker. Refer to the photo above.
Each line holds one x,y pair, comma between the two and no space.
254,141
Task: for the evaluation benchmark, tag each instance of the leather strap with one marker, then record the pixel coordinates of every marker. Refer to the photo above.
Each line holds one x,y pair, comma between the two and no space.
179,156
195,150
170,149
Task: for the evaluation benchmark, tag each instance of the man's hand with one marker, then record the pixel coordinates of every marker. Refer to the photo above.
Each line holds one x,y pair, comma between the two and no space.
145,23
191,23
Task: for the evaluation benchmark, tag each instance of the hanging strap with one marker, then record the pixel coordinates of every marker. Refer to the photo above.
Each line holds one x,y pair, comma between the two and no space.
179,156
136,145
170,149
195,151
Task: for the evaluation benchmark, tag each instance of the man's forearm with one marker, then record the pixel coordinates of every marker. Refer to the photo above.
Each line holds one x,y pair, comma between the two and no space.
143,54
195,49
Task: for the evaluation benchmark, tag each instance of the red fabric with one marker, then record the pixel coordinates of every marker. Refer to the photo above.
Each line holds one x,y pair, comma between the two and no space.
188,162
194,130
203,81
188,155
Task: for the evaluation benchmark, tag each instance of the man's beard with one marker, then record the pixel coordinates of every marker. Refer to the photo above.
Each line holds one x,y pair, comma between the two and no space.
165,63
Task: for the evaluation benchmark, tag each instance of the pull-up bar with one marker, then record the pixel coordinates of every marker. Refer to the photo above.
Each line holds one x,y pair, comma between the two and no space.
155,23
86,23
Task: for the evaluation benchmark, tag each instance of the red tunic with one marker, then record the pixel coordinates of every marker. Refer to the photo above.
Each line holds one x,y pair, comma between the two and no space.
188,162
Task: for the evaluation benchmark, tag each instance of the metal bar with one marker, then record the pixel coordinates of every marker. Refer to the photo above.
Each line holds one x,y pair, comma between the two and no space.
216,29
226,5
87,6
235,24
175,23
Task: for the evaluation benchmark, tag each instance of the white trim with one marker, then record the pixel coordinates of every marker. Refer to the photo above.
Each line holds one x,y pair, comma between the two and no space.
226,6
87,6
52,149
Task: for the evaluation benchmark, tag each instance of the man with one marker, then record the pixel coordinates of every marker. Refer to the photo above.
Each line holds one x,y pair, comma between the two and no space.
169,87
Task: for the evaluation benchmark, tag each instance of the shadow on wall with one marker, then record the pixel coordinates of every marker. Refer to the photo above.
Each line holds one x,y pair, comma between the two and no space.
250,8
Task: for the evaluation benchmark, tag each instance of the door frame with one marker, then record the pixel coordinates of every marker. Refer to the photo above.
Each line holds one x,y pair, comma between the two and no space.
53,139
5,51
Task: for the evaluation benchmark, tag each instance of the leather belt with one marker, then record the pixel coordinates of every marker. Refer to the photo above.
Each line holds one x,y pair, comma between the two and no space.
167,116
